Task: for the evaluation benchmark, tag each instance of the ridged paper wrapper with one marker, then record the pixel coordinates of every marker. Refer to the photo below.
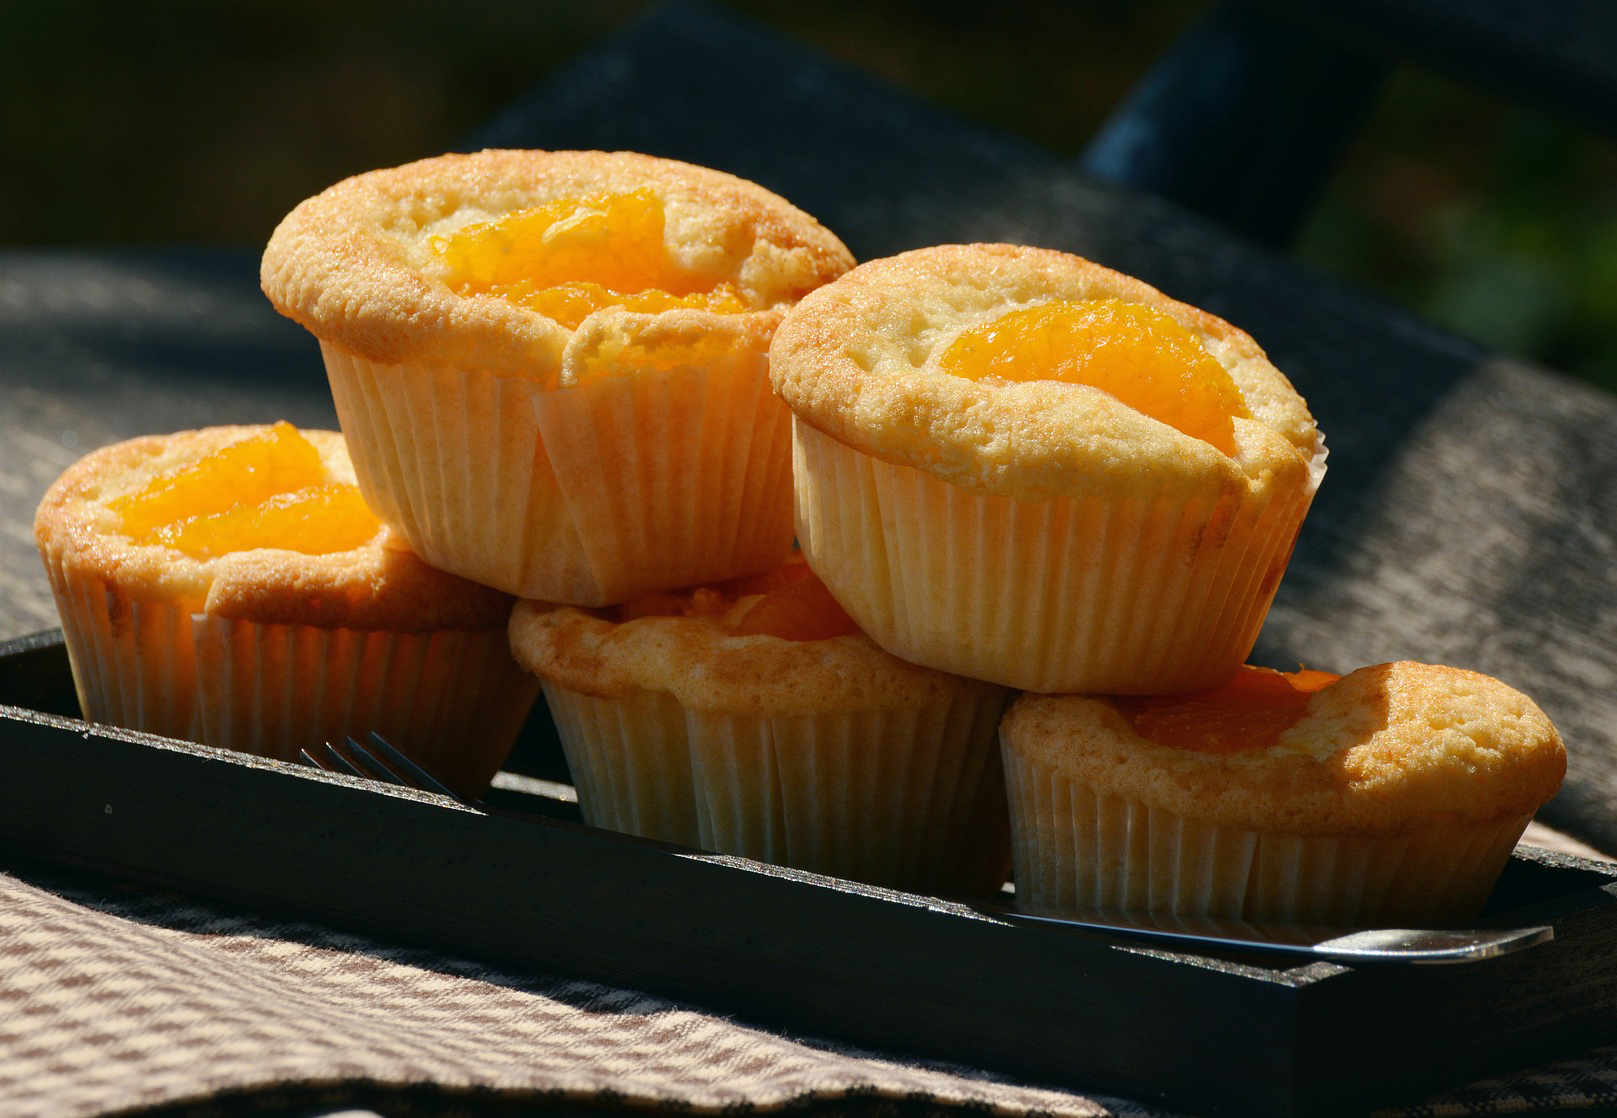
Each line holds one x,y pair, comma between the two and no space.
1075,848
630,761
587,495
910,798
1144,595
453,701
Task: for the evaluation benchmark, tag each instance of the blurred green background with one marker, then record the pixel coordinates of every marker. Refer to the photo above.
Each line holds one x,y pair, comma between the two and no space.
200,122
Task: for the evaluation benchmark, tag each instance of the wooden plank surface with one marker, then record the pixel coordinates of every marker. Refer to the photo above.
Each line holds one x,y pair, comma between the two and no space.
1469,515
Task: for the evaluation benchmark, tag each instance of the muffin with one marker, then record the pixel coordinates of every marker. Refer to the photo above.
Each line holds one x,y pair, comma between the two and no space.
551,367
1390,796
229,586
754,719
1017,465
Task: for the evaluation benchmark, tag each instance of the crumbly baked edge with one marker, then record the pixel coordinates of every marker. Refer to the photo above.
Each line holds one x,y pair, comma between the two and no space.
704,668
858,360
1387,747
351,264
381,585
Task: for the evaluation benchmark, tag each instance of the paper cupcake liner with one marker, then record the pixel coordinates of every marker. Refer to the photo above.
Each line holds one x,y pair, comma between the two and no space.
453,701
908,799
1131,596
738,793
587,495
630,762
1439,875
133,663
1076,849
455,462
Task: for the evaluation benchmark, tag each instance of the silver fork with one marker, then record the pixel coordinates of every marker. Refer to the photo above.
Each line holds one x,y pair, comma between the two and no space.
1338,945
377,761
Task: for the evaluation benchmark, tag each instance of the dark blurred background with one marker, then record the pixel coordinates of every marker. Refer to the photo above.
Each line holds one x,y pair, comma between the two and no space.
199,122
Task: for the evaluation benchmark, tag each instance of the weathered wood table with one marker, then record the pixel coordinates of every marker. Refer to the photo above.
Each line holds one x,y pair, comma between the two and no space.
1469,515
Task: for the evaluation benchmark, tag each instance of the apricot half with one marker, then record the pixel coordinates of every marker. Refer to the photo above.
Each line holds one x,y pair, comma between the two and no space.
1136,353
268,490
1248,713
792,604
573,256
803,610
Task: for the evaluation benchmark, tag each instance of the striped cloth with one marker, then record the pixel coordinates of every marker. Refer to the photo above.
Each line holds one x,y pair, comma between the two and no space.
115,998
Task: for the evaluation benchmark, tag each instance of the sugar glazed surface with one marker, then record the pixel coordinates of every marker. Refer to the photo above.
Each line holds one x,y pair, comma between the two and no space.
364,264
1385,748
698,658
863,361
373,582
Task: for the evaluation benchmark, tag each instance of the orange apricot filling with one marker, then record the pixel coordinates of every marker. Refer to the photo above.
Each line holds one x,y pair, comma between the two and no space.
800,611
1136,353
574,256
268,490
792,604
1248,713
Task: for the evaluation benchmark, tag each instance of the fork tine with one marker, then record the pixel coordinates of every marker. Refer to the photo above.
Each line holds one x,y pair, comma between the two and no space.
370,766
412,773
378,761
327,758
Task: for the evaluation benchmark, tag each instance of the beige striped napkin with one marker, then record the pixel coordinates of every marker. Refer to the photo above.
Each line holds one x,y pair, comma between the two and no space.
116,998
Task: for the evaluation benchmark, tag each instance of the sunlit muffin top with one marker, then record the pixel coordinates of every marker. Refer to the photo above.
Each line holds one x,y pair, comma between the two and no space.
1034,373
1372,752
544,264
770,644
260,524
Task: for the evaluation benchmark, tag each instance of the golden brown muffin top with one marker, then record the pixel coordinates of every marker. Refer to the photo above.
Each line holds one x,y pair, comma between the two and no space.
355,264
691,648
860,360
378,585
1382,748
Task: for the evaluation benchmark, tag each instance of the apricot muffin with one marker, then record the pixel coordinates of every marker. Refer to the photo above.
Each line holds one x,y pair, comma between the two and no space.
551,367
753,718
1390,796
230,586
1017,465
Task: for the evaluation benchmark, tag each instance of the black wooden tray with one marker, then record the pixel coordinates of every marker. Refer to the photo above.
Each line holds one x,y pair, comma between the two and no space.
823,957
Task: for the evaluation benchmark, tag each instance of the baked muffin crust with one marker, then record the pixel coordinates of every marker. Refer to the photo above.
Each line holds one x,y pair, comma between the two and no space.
859,360
355,266
1385,747
380,585
696,660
